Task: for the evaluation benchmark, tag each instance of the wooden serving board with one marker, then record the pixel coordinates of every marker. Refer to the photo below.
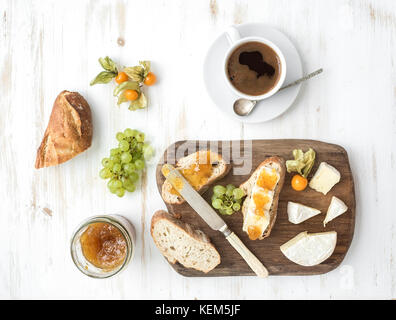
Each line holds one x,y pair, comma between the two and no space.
267,250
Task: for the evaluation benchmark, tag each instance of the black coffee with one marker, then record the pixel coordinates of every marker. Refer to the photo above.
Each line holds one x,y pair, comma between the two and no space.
254,68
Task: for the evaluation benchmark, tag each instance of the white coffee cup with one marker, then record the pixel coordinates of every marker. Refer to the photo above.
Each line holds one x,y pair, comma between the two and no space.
235,40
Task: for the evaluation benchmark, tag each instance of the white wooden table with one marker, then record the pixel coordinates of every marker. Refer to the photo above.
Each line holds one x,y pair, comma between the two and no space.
49,46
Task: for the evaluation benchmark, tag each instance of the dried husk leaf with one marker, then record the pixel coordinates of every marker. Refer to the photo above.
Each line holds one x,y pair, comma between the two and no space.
103,77
140,103
135,73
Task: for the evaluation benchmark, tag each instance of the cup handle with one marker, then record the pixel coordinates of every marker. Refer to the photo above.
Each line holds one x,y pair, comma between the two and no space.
232,35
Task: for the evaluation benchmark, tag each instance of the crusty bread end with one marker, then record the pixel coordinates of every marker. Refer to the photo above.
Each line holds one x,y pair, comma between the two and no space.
179,242
69,130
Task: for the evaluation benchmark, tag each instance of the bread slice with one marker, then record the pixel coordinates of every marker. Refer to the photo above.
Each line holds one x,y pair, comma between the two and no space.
69,130
219,169
278,164
178,241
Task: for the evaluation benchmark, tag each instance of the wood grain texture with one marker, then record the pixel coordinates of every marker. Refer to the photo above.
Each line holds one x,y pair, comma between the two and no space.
48,46
267,250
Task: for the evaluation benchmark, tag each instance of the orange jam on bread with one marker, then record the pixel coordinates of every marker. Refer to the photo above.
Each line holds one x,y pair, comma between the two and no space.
199,172
103,245
267,180
260,200
254,232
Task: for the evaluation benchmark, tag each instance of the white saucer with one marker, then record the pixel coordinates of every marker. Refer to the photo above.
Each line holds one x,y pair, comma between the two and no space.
224,98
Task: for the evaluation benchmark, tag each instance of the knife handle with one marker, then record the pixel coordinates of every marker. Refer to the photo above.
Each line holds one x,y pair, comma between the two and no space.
247,255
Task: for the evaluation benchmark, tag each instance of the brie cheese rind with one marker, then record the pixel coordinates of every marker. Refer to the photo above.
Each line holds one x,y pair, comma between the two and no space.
298,213
310,249
325,178
257,218
336,208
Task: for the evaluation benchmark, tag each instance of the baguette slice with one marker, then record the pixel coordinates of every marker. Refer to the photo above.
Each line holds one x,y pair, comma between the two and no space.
69,130
178,241
278,164
219,169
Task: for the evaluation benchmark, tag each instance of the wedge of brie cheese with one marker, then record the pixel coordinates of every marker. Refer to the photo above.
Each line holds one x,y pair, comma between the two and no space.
310,249
298,213
325,178
336,208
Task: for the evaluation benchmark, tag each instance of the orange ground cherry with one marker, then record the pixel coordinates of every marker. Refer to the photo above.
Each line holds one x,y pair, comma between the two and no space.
299,183
121,77
131,94
150,79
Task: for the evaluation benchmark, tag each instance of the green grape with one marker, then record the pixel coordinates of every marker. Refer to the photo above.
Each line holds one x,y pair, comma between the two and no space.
236,207
129,168
140,137
105,162
134,132
115,158
128,132
139,164
116,168
229,189
222,211
238,193
139,146
120,192
217,203
113,190
219,190
133,144
130,188
111,183
105,173
129,185
120,136
134,177
114,151
229,211
126,157
117,184
214,197
124,145
148,151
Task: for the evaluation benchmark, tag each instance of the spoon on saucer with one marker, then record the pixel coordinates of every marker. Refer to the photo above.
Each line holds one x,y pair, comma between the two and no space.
243,107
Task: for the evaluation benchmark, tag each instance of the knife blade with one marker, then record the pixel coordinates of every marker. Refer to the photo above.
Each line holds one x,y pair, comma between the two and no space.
207,213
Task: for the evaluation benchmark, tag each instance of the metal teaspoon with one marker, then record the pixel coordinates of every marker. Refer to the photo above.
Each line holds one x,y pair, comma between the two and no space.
243,107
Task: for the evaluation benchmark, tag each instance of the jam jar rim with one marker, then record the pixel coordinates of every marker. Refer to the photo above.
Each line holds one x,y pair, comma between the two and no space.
112,219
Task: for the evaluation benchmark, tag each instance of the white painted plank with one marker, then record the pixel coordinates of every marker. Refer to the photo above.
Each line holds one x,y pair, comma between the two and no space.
47,46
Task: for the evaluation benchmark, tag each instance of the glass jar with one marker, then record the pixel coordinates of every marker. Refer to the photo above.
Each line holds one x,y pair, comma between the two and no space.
124,227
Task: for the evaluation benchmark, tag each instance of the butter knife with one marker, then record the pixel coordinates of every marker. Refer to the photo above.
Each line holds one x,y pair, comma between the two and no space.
210,216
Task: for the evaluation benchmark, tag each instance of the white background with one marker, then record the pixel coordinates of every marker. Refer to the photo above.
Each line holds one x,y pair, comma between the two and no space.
49,46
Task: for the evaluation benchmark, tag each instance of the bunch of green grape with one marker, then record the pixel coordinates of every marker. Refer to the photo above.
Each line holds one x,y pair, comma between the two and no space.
227,199
126,162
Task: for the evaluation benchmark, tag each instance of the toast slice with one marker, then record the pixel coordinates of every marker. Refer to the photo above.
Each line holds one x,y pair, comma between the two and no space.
178,241
201,169
265,194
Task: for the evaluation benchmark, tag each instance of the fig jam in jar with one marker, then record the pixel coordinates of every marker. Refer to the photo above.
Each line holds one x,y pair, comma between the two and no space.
102,246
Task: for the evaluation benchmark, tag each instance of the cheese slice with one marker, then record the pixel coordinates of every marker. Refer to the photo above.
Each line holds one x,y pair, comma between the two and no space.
310,249
298,213
325,178
336,208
